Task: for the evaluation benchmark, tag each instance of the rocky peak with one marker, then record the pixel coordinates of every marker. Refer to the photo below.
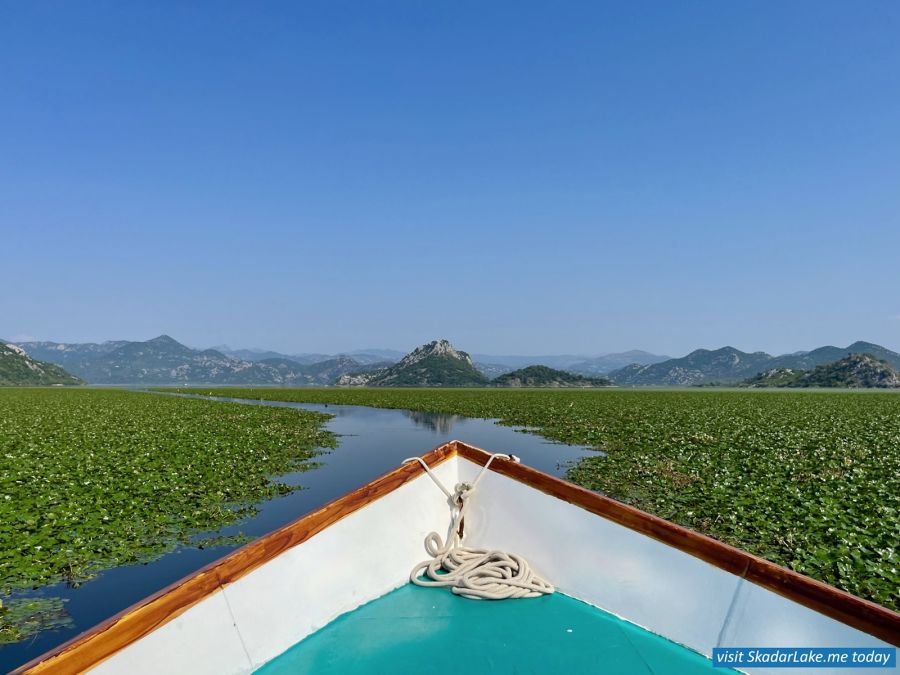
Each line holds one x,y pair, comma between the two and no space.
435,348
864,370
436,364
17,349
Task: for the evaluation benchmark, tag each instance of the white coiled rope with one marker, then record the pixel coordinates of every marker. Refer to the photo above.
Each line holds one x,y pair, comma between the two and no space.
475,573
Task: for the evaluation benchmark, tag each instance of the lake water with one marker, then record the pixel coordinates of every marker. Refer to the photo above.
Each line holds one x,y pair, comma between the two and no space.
372,441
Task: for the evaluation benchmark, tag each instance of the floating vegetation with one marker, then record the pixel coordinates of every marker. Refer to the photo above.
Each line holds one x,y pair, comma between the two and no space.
809,480
222,540
93,479
24,617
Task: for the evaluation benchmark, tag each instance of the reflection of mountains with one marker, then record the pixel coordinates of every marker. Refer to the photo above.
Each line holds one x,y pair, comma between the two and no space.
437,422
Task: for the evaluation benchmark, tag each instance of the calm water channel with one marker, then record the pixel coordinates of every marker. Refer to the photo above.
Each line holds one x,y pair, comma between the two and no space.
372,441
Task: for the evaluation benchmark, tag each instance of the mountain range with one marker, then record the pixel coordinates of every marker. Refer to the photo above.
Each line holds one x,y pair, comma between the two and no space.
488,364
363,356
164,360
731,366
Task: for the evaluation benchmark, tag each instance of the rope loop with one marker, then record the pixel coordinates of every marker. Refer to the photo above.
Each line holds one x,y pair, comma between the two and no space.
477,574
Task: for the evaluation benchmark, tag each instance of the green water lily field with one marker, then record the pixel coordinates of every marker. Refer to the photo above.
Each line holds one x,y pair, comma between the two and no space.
93,479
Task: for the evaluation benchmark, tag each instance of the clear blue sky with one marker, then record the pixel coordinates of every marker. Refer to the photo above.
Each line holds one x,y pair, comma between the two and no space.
517,177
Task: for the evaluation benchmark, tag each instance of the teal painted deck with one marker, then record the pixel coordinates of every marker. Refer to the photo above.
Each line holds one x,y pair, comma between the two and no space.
416,630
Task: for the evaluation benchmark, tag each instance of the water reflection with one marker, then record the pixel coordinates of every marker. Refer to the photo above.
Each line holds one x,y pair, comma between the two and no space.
441,423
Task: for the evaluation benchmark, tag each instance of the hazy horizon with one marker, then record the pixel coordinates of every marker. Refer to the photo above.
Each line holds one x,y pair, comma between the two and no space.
519,178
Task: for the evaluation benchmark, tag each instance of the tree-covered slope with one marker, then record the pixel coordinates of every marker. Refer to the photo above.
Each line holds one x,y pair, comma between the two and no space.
856,371
543,376
19,369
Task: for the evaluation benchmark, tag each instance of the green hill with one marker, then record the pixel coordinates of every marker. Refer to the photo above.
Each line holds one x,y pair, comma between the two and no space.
436,364
775,377
543,376
856,371
19,369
